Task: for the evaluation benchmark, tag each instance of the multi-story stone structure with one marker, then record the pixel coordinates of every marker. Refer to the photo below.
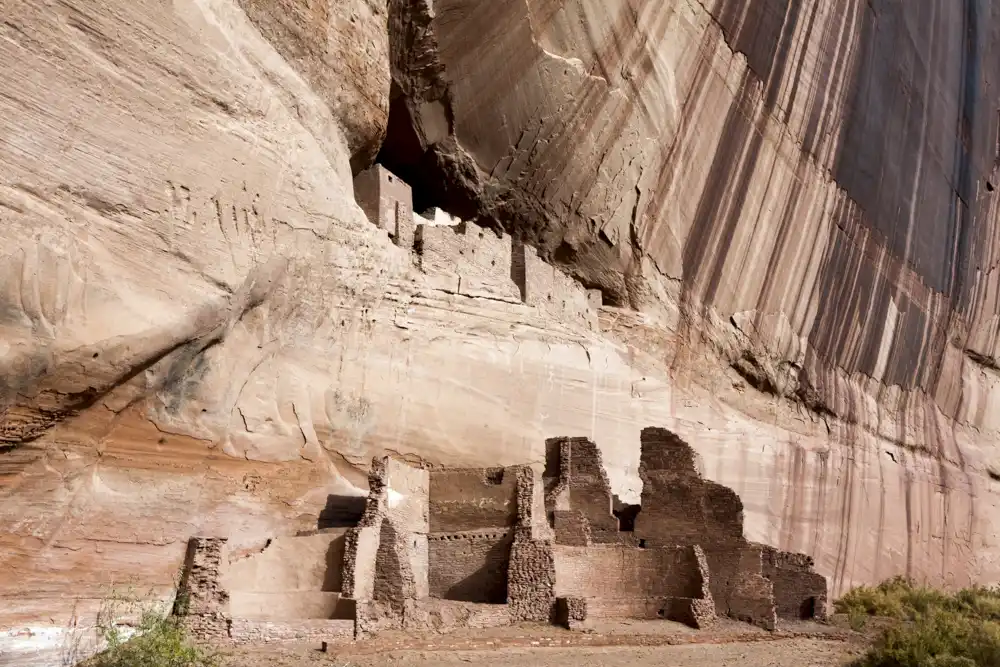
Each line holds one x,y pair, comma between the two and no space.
447,548
462,258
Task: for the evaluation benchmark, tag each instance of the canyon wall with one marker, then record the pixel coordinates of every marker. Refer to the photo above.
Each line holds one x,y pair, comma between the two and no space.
788,206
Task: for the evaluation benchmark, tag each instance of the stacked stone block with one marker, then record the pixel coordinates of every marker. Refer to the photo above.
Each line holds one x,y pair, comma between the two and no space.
388,202
493,558
203,601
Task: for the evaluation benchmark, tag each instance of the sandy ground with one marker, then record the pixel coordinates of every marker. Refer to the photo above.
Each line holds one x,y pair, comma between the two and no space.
638,644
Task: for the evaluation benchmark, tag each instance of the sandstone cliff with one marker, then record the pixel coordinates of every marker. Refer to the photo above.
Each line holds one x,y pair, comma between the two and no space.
789,208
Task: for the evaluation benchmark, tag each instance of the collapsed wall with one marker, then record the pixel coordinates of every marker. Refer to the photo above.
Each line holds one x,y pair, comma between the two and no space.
623,570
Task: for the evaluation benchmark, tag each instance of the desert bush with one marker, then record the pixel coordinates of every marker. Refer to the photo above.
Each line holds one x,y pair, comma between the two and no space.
136,632
932,628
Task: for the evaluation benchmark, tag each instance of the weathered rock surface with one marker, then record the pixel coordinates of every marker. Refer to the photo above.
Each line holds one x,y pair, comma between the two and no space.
201,333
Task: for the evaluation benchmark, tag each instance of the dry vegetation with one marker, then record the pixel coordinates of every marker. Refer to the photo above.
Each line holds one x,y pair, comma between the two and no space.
927,627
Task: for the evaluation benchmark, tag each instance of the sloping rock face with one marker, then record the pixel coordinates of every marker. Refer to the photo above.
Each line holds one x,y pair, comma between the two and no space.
788,206
804,190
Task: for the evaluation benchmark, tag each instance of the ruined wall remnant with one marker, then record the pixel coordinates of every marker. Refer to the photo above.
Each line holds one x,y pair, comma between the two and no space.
203,600
799,592
446,548
748,594
531,578
582,503
687,557
678,505
532,575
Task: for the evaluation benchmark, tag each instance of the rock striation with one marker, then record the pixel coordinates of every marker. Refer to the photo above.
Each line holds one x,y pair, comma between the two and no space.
774,221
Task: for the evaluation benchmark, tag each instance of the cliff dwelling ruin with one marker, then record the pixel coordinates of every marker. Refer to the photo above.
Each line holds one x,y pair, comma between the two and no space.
460,257
447,548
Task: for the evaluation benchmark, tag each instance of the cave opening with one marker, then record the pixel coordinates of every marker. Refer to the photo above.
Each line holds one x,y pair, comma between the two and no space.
426,170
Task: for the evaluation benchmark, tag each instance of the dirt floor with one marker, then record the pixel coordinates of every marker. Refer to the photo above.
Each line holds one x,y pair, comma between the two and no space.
638,644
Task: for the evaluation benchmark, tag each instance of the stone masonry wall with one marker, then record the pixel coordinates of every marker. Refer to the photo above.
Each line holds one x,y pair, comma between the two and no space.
472,499
751,597
678,505
470,567
477,260
387,201
618,581
203,600
551,290
615,571
531,575
571,528
587,491
467,259
531,578
799,592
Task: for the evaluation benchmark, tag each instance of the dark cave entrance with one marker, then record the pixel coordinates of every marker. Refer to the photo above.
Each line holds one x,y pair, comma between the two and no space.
428,172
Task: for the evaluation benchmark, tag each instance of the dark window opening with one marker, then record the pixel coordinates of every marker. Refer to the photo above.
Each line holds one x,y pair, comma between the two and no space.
807,609
626,517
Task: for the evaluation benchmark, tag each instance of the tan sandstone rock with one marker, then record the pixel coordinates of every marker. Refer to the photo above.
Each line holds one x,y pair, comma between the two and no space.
789,208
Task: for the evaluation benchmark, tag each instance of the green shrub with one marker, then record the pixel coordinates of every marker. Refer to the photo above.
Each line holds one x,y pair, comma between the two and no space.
138,633
931,629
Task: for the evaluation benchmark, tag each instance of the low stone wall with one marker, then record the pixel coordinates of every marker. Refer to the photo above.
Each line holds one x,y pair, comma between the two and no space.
446,615
610,571
582,611
246,631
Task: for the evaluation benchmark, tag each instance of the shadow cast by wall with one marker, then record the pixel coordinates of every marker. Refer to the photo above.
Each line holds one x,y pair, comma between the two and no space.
341,511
